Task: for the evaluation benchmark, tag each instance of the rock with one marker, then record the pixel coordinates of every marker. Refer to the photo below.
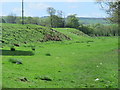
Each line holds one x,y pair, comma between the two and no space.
23,79
18,62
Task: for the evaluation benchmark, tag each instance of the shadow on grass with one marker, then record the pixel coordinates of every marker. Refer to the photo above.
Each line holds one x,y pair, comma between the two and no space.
16,53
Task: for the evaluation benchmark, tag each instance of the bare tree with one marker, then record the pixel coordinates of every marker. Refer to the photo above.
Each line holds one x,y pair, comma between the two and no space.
60,13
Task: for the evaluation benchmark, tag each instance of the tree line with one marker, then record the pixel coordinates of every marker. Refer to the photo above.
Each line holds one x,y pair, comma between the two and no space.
55,19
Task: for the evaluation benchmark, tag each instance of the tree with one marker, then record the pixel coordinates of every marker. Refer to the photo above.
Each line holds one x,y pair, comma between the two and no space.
58,21
11,18
44,21
51,11
36,20
59,13
28,20
86,29
112,9
62,16
72,21
3,21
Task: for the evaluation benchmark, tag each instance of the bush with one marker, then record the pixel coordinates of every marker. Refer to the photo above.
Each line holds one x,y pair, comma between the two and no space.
86,29
100,29
12,49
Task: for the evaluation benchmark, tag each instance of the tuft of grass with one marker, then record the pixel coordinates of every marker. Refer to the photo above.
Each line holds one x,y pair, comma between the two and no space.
48,54
33,48
15,60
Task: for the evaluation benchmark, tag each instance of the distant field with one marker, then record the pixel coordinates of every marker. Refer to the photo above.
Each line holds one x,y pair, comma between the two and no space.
81,62
93,20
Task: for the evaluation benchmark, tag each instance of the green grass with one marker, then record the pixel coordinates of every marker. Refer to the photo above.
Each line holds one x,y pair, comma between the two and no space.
76,63
28,34
74,34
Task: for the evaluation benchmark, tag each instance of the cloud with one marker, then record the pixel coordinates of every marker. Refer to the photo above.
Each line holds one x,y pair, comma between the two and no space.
49,0
35,9
70,14
73,6
97,15
38,6
0,9
55,0
72,0
17,10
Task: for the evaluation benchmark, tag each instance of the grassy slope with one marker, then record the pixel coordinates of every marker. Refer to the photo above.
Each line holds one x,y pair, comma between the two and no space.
71,64
74,34
18,34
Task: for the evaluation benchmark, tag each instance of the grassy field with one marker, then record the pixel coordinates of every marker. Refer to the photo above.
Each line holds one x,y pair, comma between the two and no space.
82,62
93,20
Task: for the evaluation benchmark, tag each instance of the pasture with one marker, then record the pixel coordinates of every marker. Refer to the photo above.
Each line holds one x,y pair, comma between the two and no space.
78,62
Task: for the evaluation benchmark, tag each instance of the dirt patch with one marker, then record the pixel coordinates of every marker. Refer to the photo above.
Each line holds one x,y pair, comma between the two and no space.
48,37
55,36
116,50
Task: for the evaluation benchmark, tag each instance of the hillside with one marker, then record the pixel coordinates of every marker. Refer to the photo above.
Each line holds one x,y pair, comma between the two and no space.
86,20
25,34
17,34
73,33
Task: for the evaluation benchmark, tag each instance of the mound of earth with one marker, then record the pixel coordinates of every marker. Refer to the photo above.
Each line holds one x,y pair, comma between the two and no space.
17,34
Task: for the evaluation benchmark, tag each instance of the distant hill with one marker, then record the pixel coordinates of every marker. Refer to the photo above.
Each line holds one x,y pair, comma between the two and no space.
86,20
83,20
89,20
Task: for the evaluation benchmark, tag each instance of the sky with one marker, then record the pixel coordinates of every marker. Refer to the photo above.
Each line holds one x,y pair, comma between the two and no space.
88,8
